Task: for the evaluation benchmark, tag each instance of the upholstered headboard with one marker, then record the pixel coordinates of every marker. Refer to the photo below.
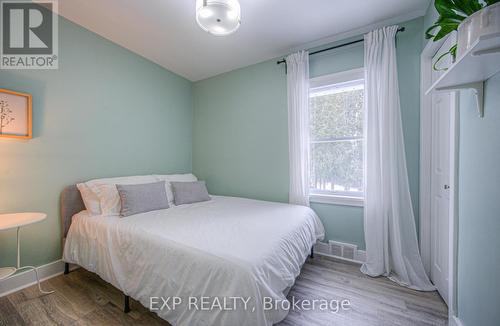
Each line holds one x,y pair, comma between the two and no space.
71,204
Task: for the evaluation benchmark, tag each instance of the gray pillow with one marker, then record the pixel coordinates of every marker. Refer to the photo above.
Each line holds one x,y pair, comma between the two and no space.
142,198
189,192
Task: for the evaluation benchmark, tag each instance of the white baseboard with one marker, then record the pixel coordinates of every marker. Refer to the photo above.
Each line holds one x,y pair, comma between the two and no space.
340,258
27,278
455,321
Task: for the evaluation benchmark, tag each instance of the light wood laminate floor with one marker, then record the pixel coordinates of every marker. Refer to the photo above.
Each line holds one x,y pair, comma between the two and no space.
82,298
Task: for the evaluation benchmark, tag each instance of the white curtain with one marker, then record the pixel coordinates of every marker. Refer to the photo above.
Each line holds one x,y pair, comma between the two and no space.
390,232
298,126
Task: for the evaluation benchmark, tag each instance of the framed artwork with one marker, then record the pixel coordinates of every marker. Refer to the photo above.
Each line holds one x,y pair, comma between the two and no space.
15,115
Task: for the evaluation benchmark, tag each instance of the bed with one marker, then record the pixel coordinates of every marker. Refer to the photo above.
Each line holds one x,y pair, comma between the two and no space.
211,251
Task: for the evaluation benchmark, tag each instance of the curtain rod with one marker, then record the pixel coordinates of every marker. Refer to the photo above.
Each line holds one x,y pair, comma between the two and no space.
401,29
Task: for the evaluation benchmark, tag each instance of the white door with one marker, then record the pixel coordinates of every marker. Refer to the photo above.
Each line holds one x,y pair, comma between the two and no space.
440,182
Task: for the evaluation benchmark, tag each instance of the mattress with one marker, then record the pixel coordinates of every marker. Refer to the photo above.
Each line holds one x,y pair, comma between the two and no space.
212,251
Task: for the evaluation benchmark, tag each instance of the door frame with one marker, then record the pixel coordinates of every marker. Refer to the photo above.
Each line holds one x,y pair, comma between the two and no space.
425,174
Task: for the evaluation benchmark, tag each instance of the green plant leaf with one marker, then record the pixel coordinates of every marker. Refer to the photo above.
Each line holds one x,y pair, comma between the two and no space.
449,18
445,7
445,30
435,65
446,21
451,14
453,51
468,7
446,25
428,32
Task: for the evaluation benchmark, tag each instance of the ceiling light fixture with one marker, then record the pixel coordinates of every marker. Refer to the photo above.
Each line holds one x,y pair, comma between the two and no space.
218,17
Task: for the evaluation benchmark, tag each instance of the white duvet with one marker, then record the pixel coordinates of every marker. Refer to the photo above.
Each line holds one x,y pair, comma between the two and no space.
212,251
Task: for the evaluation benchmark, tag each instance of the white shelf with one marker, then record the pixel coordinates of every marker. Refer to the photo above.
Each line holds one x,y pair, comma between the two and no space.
478,64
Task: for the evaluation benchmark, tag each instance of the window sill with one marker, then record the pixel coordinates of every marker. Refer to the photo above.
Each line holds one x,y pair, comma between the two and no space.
337,200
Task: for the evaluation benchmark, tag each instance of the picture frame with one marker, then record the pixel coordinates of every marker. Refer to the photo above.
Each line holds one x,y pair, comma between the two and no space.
16,116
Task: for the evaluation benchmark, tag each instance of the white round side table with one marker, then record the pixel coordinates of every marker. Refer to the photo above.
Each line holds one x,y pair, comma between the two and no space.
16,221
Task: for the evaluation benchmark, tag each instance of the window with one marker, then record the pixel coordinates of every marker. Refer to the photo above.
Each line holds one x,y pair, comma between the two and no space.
336,133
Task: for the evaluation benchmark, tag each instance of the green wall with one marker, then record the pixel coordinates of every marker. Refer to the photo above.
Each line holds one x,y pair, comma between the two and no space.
479,209
478,290
105,112
240,139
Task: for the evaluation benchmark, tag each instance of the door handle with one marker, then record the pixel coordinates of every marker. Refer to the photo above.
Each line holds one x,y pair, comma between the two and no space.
446,187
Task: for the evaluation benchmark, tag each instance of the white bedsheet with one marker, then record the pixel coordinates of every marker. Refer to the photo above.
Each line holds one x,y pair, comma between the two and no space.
227,247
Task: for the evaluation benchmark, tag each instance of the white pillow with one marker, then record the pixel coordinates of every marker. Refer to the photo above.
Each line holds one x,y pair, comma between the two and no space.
188,177
90,199
105,190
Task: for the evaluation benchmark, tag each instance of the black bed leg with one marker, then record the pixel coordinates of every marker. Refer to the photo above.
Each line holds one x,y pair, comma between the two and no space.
312,252
126,304
66,268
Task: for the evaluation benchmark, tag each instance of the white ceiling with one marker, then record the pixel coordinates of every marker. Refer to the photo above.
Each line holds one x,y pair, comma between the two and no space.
165,31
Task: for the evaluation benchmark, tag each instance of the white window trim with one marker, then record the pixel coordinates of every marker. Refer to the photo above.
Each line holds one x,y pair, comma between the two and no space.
325,80
337,78
337,200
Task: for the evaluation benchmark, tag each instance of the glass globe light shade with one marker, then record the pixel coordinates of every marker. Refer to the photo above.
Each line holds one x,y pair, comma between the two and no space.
218,17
